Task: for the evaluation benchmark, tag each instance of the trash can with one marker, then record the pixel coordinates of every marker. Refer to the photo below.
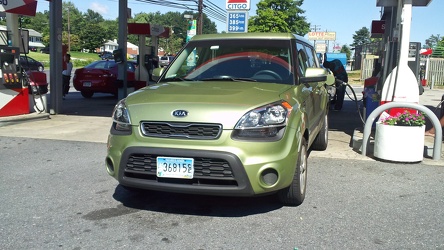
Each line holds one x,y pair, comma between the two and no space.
37,90
370,96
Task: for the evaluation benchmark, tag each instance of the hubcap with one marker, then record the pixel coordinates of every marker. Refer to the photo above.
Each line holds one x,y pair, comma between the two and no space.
303,171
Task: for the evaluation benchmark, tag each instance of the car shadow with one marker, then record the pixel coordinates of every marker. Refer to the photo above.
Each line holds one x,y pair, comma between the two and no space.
347,119
200,205
101,105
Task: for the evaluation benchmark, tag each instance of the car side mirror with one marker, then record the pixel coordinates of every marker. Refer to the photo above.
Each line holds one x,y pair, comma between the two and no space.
314,75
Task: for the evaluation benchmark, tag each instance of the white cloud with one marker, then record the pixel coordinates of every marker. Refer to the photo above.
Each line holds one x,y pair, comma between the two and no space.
99,8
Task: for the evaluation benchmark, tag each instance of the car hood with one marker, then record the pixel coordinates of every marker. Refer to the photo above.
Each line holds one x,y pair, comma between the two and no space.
223,102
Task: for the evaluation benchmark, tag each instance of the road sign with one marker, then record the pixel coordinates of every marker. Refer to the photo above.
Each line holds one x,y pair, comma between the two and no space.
328,36
238,5
237,21
321,48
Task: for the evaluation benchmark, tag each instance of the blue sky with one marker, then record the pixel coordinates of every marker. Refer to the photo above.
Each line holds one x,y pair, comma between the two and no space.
344,17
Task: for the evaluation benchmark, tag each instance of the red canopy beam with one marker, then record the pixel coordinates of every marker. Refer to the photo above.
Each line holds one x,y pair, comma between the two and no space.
20,7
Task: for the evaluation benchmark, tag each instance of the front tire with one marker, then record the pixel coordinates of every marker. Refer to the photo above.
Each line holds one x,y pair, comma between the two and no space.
87,94
294,195
321,141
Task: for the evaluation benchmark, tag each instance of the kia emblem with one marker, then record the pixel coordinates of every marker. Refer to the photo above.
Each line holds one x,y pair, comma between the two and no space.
180,113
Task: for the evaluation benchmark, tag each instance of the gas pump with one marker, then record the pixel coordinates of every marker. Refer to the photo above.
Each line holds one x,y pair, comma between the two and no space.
150,62
13,93
414,63
147,58
14,97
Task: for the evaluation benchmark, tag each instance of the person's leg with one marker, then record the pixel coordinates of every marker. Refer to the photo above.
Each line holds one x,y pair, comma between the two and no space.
65,85
431,131
340,92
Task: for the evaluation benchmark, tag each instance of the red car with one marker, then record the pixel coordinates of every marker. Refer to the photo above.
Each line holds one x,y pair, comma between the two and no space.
101,77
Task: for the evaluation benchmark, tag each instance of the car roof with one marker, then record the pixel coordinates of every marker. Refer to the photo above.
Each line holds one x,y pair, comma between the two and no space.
24,57
257,35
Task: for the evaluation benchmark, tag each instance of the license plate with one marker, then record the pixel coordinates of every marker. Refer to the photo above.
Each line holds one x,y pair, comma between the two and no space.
86,84
170,167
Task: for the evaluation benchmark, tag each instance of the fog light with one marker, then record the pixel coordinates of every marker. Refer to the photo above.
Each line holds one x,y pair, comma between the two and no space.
109,166
269,176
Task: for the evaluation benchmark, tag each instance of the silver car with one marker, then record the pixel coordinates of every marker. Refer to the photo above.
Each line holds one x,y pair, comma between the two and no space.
165,60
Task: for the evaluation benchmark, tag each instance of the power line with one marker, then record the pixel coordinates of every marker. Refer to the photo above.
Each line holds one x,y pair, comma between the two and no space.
172,4
215,11
210,9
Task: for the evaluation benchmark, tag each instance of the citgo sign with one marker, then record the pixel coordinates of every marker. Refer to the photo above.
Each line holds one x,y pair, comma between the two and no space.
238,5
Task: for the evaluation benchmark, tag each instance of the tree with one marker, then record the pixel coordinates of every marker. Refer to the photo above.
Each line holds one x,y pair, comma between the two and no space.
111,28
279,16
36,21
361,37
441,43
345,49
433,41
76,22
92,37
93,17
178,25
90,30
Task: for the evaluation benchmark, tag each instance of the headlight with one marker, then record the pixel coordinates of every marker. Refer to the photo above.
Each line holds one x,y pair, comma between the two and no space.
121,118
267,122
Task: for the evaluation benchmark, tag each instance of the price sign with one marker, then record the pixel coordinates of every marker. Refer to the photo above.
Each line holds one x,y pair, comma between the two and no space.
237,21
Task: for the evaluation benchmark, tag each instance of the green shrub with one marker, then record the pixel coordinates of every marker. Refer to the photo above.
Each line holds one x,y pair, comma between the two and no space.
81,63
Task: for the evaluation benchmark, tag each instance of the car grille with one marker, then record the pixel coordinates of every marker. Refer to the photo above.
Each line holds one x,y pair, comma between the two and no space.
209,171
197,131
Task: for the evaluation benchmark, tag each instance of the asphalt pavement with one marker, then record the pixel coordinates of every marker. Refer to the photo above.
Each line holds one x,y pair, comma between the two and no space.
59,195
89,120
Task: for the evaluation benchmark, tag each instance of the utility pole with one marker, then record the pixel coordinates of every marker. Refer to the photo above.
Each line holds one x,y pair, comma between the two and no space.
200,9
328,42
315,29
69,34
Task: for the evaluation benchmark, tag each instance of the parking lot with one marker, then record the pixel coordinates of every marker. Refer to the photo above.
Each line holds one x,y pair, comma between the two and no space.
56,194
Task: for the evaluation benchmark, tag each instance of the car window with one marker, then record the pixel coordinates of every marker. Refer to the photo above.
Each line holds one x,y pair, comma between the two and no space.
258,60
302,59
24,59
311,57
130,67
101,65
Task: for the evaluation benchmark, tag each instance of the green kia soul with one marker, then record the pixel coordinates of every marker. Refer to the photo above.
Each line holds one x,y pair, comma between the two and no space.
232,115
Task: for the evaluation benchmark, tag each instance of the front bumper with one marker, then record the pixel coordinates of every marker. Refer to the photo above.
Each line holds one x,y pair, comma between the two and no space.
222,167
216,173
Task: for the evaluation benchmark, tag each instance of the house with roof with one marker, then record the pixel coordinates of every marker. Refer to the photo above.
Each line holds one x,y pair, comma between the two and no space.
34,38
131,49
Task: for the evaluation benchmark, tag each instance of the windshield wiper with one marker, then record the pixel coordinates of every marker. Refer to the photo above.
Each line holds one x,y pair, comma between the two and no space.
233,79
175,79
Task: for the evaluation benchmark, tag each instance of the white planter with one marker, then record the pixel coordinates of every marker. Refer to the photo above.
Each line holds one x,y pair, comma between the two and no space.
399,143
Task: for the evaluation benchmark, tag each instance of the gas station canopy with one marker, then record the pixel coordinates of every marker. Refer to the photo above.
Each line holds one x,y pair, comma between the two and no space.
390,3
21,7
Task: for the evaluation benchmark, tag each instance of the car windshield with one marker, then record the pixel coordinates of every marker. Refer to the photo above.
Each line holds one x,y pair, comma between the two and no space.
249,60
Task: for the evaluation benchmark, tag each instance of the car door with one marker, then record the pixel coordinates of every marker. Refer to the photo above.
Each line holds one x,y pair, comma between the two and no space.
25,64
307,89
318,87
